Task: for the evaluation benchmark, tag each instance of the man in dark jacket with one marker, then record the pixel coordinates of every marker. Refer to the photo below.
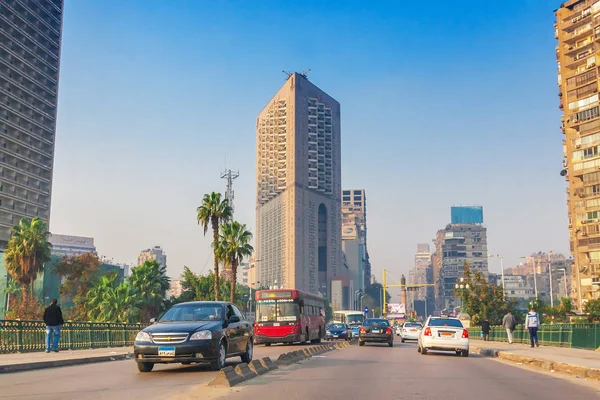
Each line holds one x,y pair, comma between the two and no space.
485,330
53,319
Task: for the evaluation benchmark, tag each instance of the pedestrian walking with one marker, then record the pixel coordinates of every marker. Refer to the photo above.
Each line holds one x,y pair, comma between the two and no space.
509,322
53,319
532,323
485,330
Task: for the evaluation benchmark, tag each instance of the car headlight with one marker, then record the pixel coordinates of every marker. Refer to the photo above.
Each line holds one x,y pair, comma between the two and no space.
201,335
143,337
327,332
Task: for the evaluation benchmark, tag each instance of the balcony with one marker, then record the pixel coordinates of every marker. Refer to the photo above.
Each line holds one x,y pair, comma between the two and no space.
577,20
571,51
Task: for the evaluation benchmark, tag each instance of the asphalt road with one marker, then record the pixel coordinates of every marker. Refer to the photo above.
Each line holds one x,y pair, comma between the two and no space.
378,372
116,380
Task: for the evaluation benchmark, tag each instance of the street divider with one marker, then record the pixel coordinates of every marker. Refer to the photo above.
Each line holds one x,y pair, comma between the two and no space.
230,376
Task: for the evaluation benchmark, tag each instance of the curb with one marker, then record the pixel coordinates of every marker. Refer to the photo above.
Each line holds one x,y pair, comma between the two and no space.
6,369
541,363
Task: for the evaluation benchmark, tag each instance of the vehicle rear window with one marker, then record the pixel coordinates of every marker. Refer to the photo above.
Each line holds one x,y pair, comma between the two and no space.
412,325
454,323
376,322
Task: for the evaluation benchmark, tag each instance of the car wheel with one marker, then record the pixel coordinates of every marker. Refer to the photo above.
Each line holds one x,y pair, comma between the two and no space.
418,349
423,351
247,356
391,344
401,340
267,344
145,366
221,357
465,353
458,352
361,343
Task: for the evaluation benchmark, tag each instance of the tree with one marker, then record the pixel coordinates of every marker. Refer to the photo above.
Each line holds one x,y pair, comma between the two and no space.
201,288
592,307
233,246
482,300
12,290
27,251
151,284
214,211
112,301
79,272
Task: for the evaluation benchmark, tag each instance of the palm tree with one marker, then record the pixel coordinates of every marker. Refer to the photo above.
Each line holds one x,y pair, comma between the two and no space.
233,246
214,211
151,281
12,289
112,301
27,251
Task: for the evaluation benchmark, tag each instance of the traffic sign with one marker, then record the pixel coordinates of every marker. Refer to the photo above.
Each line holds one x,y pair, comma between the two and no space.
366,310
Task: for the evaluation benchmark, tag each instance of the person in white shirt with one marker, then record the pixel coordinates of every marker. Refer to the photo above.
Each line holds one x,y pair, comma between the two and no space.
532,323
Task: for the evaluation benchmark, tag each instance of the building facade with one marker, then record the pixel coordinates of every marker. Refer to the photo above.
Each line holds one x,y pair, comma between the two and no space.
354,211
156,253
64,245
577,28
30,43
354,255
421,273
298,174
456,245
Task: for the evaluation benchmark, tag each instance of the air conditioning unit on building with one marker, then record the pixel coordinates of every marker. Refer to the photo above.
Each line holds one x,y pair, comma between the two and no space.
577,146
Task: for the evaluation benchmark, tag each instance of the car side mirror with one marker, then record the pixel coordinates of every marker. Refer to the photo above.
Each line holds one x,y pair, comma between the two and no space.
234,318
152,320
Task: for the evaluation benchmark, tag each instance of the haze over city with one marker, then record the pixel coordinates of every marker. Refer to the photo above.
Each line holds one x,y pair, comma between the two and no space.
449,107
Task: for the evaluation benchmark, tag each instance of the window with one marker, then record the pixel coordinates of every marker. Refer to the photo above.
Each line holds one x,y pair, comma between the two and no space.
237,312
455,323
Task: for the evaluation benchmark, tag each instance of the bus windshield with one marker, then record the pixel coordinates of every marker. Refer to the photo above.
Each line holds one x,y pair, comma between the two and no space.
277,310
354,319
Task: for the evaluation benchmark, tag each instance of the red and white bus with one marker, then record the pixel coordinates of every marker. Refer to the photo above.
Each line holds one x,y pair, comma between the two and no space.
288,316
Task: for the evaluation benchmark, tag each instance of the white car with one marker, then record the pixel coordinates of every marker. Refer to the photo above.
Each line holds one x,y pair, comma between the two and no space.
410,331
444,334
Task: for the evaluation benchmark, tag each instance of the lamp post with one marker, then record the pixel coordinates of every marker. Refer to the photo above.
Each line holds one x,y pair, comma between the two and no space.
356,294
361,301
462,286
550,272
502,271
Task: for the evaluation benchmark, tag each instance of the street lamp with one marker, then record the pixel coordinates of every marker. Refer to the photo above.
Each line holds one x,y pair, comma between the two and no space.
534,277
361,301
502,270
462,286
550,272
356,294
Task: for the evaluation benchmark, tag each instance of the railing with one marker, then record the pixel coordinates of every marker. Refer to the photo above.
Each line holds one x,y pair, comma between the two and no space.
581,336
28,336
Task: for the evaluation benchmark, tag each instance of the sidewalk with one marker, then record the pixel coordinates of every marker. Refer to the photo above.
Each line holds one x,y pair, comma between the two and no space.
16,362
582,363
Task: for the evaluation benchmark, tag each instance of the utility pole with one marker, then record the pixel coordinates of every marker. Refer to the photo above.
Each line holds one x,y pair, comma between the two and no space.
229,177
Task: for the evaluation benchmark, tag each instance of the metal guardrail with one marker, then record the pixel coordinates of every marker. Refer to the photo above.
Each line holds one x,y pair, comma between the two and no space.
581,336
28,336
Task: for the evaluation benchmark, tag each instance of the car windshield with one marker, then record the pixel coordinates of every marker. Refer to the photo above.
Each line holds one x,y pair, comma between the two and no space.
194,312
337,326
277,310
455,323
412,325
376,322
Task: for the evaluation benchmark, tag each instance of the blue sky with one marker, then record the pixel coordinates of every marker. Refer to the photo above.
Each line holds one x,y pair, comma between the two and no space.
444,105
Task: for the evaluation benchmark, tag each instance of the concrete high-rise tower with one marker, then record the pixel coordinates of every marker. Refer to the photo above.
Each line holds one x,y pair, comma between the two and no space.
30,41
577,55
298,216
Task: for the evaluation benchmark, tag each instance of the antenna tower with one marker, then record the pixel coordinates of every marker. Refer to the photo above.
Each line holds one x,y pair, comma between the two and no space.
229,177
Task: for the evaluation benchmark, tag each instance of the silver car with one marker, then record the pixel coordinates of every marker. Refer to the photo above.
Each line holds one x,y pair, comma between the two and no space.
410,331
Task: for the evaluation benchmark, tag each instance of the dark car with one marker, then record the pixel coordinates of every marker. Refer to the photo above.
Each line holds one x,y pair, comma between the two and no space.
199,332
338,331
375,330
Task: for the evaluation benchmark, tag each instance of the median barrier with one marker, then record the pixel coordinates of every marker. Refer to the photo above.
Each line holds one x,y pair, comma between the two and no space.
268,363
257,367
243,370
285,359
307,352
228,377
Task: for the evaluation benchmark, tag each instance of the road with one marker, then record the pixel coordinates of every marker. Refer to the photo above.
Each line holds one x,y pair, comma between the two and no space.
370,372
378,372
115,380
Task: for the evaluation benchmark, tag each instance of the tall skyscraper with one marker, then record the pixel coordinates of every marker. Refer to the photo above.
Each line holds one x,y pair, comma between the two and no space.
298,174
30,41
577,30
456,245
422,273
354,211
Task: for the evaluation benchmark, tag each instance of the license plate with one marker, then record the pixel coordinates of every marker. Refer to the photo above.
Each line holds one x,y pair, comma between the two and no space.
166,351
335,335
375,330
413,330
446,334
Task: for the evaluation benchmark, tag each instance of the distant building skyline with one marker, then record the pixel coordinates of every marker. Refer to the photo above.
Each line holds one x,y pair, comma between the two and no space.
155,253
66,245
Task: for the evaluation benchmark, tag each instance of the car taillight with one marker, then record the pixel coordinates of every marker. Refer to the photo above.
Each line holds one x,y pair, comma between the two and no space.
403,329
427,331
389,330
362,330
465,334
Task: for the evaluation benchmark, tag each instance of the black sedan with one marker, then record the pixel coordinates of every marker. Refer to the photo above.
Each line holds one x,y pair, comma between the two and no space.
375,330
196,332
338,331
